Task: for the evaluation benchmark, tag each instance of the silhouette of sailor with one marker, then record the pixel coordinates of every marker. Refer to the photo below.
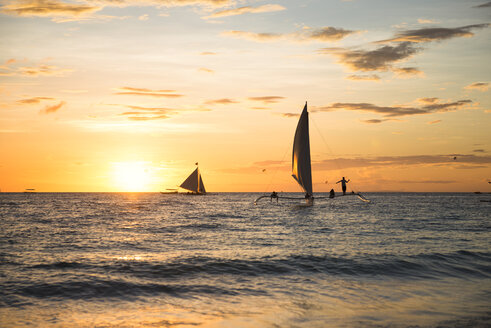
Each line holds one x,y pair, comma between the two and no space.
343,184
274,195
331,193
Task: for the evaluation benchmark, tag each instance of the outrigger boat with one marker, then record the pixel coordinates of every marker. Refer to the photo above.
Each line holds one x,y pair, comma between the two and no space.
301,165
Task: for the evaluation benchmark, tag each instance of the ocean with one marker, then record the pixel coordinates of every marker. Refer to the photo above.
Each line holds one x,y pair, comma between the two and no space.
154,260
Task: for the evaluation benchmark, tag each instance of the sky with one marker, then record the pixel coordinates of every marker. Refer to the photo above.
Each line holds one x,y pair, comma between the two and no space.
121,95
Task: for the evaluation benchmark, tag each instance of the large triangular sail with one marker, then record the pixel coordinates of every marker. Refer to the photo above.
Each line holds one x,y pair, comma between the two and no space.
301,166
191,183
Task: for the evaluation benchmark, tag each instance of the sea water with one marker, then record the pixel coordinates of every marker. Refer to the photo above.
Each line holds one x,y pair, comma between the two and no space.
154,260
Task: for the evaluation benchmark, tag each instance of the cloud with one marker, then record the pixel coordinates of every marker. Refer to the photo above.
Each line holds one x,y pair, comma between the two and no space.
33,71
34,100
426,21
405,72
246,10
402,47
328,34
376,121
208,53
140,113
380,59
462,161
147,92
434,34
143,17
372,77
434,122
52,109
206,70
47,8
479,151
399,111
267,99
481,86
484,5
259,37
447,160
289,115
323,34
62,11
223,101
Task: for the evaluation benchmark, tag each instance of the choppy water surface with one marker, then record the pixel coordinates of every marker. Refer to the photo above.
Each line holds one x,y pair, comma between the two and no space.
152,260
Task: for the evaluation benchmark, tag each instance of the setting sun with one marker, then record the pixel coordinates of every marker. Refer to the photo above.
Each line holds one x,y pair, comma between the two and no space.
131,176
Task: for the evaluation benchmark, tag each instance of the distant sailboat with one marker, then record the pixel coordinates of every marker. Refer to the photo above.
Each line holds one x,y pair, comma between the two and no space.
194,183
301,165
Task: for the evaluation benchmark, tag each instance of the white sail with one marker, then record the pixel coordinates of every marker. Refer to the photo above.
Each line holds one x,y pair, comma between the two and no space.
191,183
301,167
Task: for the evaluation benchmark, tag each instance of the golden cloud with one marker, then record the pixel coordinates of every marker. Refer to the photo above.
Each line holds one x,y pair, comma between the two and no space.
53,108
147,92
47,8
267,99
246,10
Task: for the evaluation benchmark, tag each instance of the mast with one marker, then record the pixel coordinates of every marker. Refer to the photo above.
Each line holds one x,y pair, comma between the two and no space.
301,164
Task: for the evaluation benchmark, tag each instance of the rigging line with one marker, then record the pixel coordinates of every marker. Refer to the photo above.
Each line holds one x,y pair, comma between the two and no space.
329,150
276,170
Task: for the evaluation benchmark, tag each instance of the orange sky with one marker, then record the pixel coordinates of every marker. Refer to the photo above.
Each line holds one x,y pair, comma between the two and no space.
98,97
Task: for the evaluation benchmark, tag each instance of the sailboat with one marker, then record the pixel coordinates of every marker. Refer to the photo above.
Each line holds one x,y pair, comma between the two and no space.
301,165
194,183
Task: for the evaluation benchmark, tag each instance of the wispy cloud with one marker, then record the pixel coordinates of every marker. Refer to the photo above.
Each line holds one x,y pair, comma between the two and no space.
323,34
481,86
206,70
246,10
33,100
140,113
267,99
377,121
49,109
399,111
147,92
62,11
208,53
407,72
462,161
434,34
427,21
372,77
288,115
33,71
223,101
435,122
47,8
484,5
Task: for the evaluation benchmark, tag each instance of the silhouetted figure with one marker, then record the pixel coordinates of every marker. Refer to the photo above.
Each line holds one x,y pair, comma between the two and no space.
274,195
331,193
343,184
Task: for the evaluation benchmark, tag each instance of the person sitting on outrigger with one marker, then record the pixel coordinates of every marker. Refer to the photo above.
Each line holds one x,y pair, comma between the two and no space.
274,195
343,184
331,193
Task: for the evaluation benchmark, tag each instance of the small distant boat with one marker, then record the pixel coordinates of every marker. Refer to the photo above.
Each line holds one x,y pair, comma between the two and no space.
169,191
194,183
301,164
29,190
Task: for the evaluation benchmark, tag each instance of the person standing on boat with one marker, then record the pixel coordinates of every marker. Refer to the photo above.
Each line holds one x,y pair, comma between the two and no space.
343,184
